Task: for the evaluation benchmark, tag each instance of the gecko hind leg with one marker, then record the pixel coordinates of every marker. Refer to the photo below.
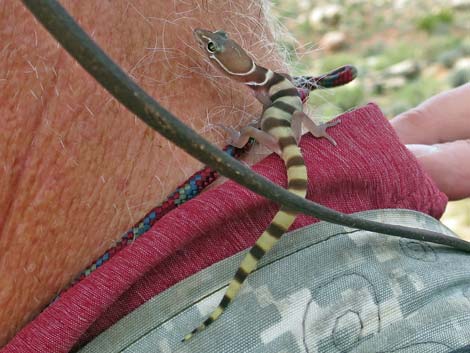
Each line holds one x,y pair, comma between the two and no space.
240,138
299,118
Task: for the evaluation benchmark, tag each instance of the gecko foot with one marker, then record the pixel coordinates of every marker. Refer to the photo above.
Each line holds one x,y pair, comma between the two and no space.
316,130
234,136
320,131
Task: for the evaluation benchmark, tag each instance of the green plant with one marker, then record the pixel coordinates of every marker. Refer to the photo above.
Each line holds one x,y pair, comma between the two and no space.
416,91
449,57
432,22
460,77
398,52
439,44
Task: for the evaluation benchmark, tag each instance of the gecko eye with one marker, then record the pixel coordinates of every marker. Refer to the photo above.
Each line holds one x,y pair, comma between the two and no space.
211,47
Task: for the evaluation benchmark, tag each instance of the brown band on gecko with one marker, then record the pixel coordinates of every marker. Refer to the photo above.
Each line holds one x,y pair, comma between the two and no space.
287,141
297,184
295,161
270,123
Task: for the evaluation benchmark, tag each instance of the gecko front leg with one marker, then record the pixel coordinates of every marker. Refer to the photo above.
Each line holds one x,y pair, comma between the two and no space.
300,118
240,138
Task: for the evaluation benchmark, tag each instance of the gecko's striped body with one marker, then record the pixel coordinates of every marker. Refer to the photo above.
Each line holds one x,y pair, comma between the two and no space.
282,105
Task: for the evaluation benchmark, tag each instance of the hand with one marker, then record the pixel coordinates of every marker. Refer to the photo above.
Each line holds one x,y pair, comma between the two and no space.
437,132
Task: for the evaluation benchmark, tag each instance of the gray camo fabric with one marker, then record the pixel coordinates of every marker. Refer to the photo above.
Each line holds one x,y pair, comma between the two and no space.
324,288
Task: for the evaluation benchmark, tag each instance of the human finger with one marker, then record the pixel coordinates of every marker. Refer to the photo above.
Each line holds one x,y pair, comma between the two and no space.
442,118
448,165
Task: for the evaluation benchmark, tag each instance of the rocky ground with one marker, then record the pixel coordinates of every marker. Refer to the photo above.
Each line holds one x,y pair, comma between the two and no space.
405,50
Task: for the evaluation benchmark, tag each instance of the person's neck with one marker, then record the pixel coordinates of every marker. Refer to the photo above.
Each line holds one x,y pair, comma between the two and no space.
78,168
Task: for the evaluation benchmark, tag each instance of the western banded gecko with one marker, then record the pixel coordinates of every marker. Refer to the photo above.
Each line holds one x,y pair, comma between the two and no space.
280,124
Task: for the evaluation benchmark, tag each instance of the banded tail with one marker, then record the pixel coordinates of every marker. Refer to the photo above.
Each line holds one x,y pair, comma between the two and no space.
278,226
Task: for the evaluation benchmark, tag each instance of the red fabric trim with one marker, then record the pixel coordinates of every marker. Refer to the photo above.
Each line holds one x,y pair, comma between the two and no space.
368,169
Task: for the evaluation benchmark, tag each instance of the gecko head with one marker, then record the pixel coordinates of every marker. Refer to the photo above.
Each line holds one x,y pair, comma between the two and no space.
225,53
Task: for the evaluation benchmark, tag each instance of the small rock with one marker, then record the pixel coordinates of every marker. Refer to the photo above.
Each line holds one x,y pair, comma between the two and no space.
407,69
372,61
390,84
304,5
400,4
462,64
328,15
460,4
333,41
394,83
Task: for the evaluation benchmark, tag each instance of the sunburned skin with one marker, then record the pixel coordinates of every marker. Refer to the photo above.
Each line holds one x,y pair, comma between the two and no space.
76,168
